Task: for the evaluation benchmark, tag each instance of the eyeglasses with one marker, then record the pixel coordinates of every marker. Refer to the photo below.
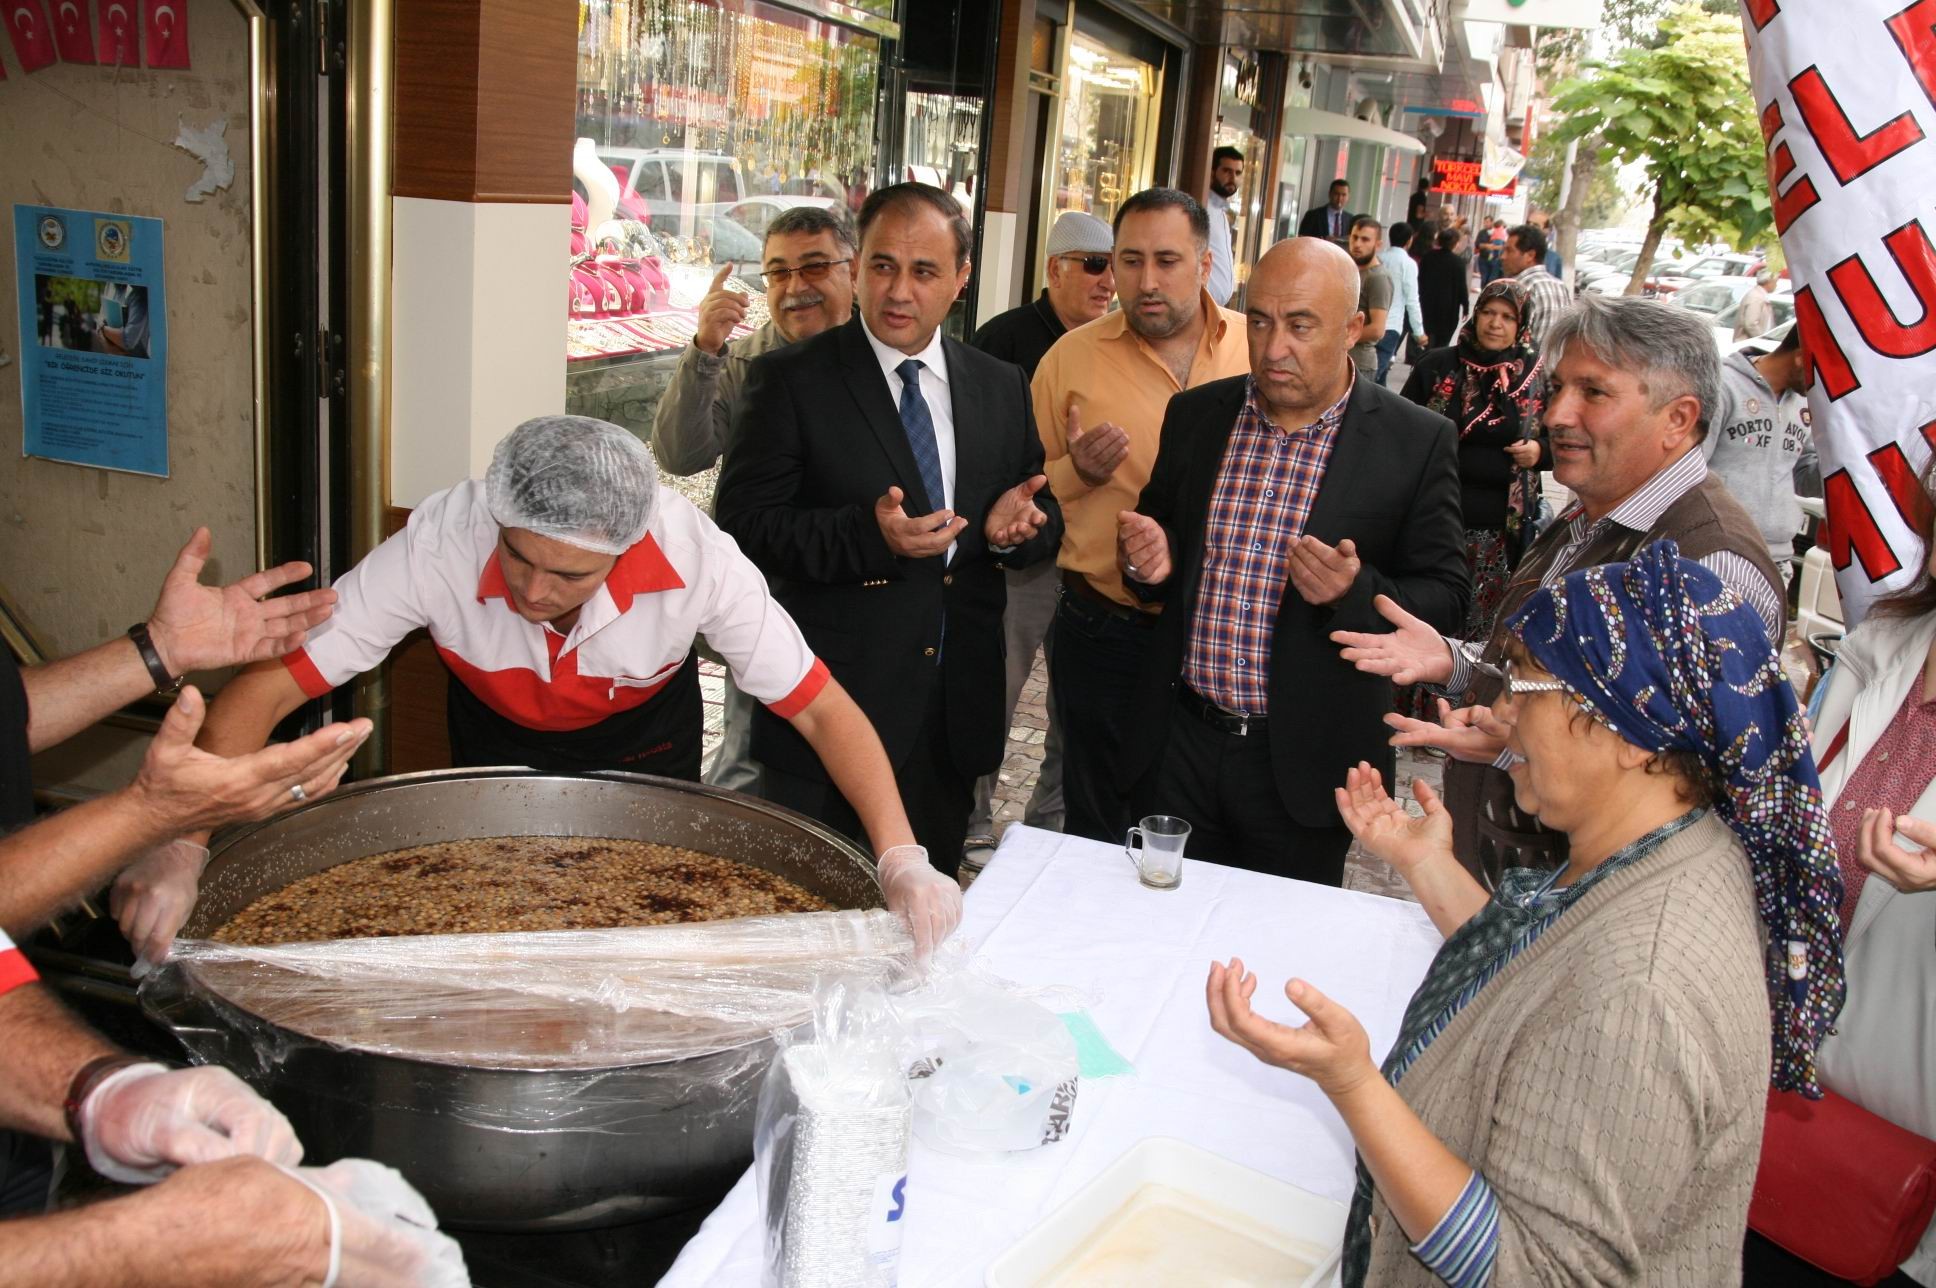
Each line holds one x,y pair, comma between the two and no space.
1519,688
1094,265
814,272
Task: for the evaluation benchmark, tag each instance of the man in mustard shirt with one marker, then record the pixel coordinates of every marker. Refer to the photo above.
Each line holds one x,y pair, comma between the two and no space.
1099,398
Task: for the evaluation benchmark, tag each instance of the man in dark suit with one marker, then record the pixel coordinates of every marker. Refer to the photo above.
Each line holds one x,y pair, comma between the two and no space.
1281,504
883,477
1330,221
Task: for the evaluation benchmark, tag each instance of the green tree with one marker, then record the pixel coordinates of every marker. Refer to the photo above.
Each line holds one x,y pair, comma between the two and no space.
1601,202
1685,111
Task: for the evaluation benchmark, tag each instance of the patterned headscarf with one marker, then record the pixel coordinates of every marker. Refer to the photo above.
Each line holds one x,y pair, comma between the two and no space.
1500,391
1664,655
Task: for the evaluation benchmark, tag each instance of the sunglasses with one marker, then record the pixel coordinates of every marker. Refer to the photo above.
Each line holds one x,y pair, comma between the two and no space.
814,272
1094,265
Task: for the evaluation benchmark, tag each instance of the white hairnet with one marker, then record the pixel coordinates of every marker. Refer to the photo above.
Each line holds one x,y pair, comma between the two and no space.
575,479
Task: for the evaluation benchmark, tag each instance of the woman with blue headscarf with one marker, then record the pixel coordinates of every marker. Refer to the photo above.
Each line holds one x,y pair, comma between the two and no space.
1577,1091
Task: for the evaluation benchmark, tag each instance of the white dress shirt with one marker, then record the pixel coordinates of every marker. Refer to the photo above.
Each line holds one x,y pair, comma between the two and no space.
934,390
1223,271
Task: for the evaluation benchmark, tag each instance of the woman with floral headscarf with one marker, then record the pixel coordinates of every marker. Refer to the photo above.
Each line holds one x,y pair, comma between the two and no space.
1576,1093
1490,385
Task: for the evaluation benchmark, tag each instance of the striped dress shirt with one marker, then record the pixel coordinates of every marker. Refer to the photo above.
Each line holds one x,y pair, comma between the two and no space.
1550,299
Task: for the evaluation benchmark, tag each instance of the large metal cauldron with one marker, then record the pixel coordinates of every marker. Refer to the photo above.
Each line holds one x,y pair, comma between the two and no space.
507,1148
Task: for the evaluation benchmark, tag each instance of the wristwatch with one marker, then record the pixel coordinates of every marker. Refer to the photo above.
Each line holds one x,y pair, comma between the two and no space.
166,685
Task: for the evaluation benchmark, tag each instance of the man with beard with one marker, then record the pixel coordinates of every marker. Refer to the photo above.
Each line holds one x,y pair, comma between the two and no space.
809,273
1330,221
1374,292
1282,503
1226,173
1082,282
1100,396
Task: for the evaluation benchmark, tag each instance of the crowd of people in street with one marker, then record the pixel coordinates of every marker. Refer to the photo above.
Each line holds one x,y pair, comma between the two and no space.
1256,573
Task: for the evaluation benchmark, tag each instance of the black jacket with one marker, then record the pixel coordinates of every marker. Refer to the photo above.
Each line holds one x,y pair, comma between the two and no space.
1442,296
1392,486
1022,335
1485,471
1317,223
819,442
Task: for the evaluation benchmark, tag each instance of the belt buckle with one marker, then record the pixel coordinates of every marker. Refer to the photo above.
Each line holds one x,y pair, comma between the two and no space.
1243,724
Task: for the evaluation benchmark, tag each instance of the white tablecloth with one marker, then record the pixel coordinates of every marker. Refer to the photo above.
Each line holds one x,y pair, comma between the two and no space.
1056,910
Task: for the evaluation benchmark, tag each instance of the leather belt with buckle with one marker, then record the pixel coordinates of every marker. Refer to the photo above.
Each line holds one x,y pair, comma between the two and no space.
1223,721
1074,583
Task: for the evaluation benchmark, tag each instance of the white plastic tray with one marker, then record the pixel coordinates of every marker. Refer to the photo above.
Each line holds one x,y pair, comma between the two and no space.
1167,1204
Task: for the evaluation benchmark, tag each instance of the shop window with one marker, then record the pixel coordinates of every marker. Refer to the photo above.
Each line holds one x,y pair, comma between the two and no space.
1106,137
697,125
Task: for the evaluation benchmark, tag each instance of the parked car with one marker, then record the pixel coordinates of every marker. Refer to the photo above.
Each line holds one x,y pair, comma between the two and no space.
1665,282
1783,303
1713,296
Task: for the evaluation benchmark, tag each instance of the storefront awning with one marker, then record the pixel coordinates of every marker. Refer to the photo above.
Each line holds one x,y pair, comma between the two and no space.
1336,125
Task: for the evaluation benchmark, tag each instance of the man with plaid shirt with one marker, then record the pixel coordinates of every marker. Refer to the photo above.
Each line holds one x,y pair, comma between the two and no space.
1281,504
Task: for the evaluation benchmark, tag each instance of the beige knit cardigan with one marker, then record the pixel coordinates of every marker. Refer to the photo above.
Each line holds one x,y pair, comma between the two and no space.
1610,1082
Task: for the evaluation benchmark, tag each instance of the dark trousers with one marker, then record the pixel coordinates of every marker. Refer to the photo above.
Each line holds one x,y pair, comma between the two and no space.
26,1174
1222,785
1093,670
936,794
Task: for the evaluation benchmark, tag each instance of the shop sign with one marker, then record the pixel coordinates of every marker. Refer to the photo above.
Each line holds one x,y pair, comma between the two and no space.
1535,13
93,338
1248,79
1459,178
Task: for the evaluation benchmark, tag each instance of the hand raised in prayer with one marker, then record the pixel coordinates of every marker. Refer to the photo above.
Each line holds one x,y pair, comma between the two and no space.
1096,452
1389,830
1323,574
1331,1050
1412,654
1142,548
1910,871
915,538
1015,517
1471,734
201,628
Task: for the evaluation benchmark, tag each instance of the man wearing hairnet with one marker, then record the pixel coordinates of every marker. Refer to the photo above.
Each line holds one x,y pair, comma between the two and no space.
564,593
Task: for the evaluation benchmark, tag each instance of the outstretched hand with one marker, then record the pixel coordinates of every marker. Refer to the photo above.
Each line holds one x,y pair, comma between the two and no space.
203,628
1015,517
1331,1050
1386,828
1414,653
918,537
1471,734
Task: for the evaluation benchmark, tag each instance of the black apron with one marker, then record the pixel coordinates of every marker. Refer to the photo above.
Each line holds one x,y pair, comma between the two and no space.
662,735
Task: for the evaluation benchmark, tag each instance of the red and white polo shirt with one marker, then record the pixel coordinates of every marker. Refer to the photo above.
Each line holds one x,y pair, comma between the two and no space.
683,579
15,969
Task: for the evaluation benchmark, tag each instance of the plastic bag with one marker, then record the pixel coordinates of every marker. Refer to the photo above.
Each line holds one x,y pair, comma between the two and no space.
830,1145
995,1071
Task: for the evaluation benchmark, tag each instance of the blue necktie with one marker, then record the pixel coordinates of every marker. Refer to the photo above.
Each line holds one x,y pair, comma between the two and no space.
919,424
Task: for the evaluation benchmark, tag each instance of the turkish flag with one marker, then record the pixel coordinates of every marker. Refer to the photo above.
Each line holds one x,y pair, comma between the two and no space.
72,36
32,42
166,32
120,40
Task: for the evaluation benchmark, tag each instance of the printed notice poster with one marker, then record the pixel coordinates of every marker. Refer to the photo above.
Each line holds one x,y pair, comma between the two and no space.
93,338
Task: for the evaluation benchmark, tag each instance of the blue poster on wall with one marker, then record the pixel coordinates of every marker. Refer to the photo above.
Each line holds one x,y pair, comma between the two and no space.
93,338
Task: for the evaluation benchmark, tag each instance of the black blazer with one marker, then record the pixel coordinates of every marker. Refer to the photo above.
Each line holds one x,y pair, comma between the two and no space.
1317,223
817,441
1392,486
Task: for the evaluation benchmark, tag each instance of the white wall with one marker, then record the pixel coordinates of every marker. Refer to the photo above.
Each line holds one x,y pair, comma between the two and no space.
477,334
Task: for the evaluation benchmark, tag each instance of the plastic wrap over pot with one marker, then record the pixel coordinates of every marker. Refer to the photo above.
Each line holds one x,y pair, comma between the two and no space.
546,999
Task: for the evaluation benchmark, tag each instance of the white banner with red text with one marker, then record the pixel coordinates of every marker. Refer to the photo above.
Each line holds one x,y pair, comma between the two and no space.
1847,96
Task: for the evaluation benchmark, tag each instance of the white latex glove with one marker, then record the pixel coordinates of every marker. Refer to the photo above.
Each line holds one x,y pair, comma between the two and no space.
141,1123
926,900
382,1234
153,897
